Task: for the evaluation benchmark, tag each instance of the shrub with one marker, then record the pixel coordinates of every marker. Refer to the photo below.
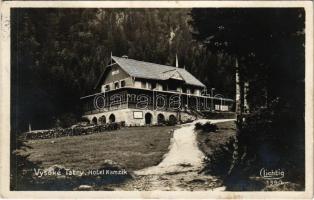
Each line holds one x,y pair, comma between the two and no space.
161,122
171,122
122,123
76,130
207,127
198,126
85,119
273,138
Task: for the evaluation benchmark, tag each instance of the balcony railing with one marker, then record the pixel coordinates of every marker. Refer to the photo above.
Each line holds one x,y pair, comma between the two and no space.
139,98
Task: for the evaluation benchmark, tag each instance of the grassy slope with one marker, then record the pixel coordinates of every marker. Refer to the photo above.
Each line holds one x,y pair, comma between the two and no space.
208,142
135,148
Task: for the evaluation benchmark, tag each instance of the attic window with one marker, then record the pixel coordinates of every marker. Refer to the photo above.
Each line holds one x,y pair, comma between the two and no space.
177,76
115,72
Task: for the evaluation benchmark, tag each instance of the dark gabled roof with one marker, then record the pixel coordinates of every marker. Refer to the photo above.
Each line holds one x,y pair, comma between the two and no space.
147,70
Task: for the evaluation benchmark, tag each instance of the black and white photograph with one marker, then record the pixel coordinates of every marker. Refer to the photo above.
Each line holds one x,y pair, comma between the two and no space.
147,98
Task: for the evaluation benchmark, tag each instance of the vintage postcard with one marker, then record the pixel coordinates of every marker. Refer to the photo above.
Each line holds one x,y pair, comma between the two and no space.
156,99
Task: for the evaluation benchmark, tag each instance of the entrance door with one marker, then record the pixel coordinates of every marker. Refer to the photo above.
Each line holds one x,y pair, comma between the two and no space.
148,118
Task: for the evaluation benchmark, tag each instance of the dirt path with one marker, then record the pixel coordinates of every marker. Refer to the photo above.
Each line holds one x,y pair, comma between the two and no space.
179,170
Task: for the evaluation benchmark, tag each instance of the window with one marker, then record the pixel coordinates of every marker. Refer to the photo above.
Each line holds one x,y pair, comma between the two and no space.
143,84
116,85
172,87
164,87
107,87
153,85
197,92
123,83
149,85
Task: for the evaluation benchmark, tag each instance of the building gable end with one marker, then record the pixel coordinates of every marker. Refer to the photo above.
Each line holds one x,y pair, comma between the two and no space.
176,75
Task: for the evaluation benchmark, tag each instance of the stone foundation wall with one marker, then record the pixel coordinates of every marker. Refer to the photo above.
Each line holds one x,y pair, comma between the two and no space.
127,115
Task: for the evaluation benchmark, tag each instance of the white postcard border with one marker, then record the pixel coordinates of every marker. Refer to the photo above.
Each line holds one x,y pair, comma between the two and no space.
5,100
